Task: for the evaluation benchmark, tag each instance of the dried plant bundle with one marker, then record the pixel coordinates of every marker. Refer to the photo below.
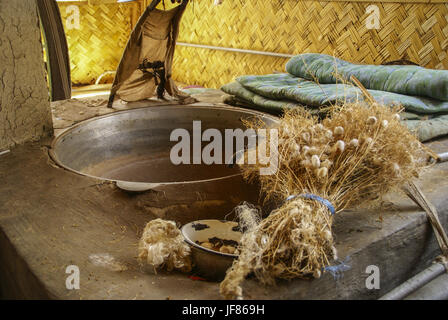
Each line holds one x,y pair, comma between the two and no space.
354,156
162,245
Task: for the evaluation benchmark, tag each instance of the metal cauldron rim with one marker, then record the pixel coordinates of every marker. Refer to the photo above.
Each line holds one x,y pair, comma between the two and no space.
156,184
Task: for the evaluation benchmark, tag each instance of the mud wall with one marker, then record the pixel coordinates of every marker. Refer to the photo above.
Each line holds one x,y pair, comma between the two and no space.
24,99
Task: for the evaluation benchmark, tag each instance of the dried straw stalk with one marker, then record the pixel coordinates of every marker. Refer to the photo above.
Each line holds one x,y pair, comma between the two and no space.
354,156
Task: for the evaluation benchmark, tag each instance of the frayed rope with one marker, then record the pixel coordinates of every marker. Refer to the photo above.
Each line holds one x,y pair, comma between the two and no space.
337,271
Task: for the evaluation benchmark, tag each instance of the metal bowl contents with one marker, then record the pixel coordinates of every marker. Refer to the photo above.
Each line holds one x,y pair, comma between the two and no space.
209,263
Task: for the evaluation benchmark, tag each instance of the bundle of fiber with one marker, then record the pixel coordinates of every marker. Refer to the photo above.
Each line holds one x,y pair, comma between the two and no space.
353,157
162,246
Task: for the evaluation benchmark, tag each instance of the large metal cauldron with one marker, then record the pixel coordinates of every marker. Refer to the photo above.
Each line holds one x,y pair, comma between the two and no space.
134,146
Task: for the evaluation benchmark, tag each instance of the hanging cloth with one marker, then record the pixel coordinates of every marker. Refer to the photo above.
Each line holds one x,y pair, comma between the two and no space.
145,67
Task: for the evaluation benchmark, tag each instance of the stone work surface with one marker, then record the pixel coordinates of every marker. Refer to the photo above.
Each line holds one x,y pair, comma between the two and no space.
24,99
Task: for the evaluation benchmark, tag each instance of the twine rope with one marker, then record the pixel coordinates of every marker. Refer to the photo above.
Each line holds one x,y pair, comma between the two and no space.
311,196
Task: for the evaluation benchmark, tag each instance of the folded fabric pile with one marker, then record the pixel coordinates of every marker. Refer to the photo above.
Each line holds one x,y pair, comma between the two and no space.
314,81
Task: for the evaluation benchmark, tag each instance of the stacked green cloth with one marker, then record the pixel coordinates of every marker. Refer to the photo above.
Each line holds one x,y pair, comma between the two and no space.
311,83
409,80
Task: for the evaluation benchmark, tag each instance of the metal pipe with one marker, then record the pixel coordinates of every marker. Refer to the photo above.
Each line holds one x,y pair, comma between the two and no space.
431,283
263,53
437,289
415,282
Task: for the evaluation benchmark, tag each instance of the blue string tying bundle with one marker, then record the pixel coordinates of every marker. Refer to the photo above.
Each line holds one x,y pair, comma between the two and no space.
337,271
325,202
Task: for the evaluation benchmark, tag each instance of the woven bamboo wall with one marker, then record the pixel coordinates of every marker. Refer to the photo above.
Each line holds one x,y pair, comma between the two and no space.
99,42
414,31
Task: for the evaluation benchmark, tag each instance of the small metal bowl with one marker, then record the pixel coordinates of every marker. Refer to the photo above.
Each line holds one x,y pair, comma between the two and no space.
210,264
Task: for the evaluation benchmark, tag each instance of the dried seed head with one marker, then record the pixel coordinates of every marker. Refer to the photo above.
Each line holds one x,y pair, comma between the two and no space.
384,123
339,131
326,163
322,172
396,168
372,120
320,126
306,136
397,117
306,163
294,211
329,134
340,146
313,150
296,147
323,140
327,235
317,274
354,143
335,253
296,150
315,161
369,140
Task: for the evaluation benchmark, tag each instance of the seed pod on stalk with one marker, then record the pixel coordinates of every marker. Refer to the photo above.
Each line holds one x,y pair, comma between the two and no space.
333,172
